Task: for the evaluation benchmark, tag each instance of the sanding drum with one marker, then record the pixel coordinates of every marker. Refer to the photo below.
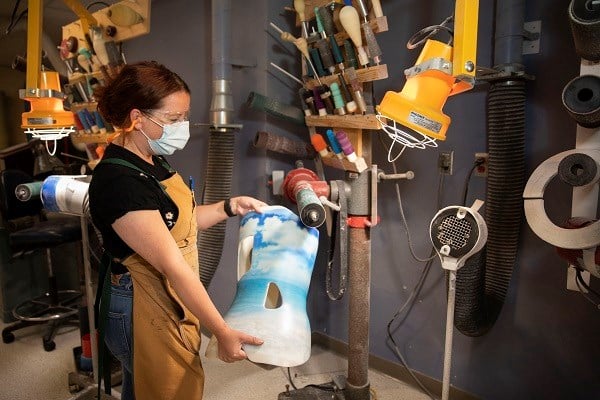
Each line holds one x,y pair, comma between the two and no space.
581,98
584,16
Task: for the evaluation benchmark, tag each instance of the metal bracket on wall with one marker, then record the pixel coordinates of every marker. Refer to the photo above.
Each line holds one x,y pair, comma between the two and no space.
531,37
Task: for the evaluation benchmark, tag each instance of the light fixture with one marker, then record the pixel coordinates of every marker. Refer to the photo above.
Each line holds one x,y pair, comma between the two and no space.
414,117
47,120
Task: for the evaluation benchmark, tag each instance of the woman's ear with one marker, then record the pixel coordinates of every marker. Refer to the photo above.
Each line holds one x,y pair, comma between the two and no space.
135,116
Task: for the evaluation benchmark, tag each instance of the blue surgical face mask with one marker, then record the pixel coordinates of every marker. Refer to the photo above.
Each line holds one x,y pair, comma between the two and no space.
174,137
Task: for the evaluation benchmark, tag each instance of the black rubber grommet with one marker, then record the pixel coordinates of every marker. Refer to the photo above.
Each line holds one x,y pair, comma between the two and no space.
577,169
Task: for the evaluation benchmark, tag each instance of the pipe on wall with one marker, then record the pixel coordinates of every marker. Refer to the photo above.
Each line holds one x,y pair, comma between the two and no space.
221,142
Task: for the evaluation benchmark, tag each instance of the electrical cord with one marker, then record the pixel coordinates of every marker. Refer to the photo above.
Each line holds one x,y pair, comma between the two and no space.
289,371
476,164
401,208
582,285
428,32
409,303
13,22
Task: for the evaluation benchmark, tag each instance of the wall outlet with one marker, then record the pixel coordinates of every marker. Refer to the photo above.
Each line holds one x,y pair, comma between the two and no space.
446,162
481,169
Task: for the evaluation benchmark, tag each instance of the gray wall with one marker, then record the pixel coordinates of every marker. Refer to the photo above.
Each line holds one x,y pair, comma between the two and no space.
544,342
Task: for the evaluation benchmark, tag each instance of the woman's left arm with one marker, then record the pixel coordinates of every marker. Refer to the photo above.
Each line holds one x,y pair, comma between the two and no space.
211,214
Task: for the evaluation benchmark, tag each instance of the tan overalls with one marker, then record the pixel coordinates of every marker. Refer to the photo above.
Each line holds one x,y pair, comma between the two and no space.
166,339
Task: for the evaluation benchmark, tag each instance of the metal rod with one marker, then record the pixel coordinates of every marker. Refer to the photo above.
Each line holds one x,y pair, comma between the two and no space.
287,73
359,281
449,333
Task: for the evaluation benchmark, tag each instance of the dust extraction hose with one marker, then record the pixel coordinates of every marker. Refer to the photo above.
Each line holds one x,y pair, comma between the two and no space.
483,282
221,142
217,187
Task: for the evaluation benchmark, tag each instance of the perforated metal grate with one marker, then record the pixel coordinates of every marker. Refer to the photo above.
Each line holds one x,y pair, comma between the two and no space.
454,232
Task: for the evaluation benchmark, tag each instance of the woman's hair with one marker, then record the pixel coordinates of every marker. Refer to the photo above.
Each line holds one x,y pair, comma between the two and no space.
141,85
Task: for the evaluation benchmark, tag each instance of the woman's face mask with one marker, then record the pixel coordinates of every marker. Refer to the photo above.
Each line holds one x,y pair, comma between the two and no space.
174,137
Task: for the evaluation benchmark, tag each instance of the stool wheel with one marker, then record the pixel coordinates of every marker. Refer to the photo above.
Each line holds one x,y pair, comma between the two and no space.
49,345
8,337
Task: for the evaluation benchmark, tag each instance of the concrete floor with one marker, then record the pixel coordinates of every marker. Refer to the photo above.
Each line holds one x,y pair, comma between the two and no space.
27,372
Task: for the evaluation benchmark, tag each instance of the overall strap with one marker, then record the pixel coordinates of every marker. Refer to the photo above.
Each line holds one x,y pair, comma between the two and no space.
124,163
101,307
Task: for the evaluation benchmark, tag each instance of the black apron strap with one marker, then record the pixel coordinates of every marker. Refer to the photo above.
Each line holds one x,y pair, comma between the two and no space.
101,307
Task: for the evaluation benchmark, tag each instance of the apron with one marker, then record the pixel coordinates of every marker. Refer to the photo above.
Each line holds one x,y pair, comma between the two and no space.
166,338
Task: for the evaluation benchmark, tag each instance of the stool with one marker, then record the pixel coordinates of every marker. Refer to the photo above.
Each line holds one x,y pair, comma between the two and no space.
55,307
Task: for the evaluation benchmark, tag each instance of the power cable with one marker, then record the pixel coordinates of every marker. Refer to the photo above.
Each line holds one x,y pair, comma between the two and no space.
582,285
476,164
409,303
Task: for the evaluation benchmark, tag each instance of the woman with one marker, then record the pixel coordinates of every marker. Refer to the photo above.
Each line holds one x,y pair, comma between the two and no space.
148,220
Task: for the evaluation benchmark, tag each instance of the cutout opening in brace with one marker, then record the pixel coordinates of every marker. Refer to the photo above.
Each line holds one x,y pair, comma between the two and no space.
273,299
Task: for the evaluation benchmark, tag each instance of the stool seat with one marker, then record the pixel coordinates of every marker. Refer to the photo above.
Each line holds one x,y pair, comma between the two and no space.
47,234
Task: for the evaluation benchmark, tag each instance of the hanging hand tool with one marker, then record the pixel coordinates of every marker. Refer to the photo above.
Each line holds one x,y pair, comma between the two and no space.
325,27
351,23
338,100
372,45
325,94
351,61
319,106
319,144
323,46
377,11
306,97
350,104
287,73
327,21
333,143
348,150
299,7
300,44
356,89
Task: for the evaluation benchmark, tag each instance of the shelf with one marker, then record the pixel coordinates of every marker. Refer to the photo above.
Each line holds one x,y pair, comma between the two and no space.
141,7
83,77
367,121
363,75
90,106
90,138
338,163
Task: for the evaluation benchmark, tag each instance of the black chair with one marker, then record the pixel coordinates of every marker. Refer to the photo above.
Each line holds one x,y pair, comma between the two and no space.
29,231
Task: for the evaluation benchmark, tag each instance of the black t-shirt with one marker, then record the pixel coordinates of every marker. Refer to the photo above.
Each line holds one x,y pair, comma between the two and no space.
116,190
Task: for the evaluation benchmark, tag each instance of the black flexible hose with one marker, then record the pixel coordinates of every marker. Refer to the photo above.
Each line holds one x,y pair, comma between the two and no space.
482,286
217,187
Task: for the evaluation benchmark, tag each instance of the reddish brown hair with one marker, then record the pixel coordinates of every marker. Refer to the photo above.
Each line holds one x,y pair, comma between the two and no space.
141,85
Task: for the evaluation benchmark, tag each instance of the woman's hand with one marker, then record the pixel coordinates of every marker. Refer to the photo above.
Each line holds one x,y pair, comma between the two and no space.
230,345
242,205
